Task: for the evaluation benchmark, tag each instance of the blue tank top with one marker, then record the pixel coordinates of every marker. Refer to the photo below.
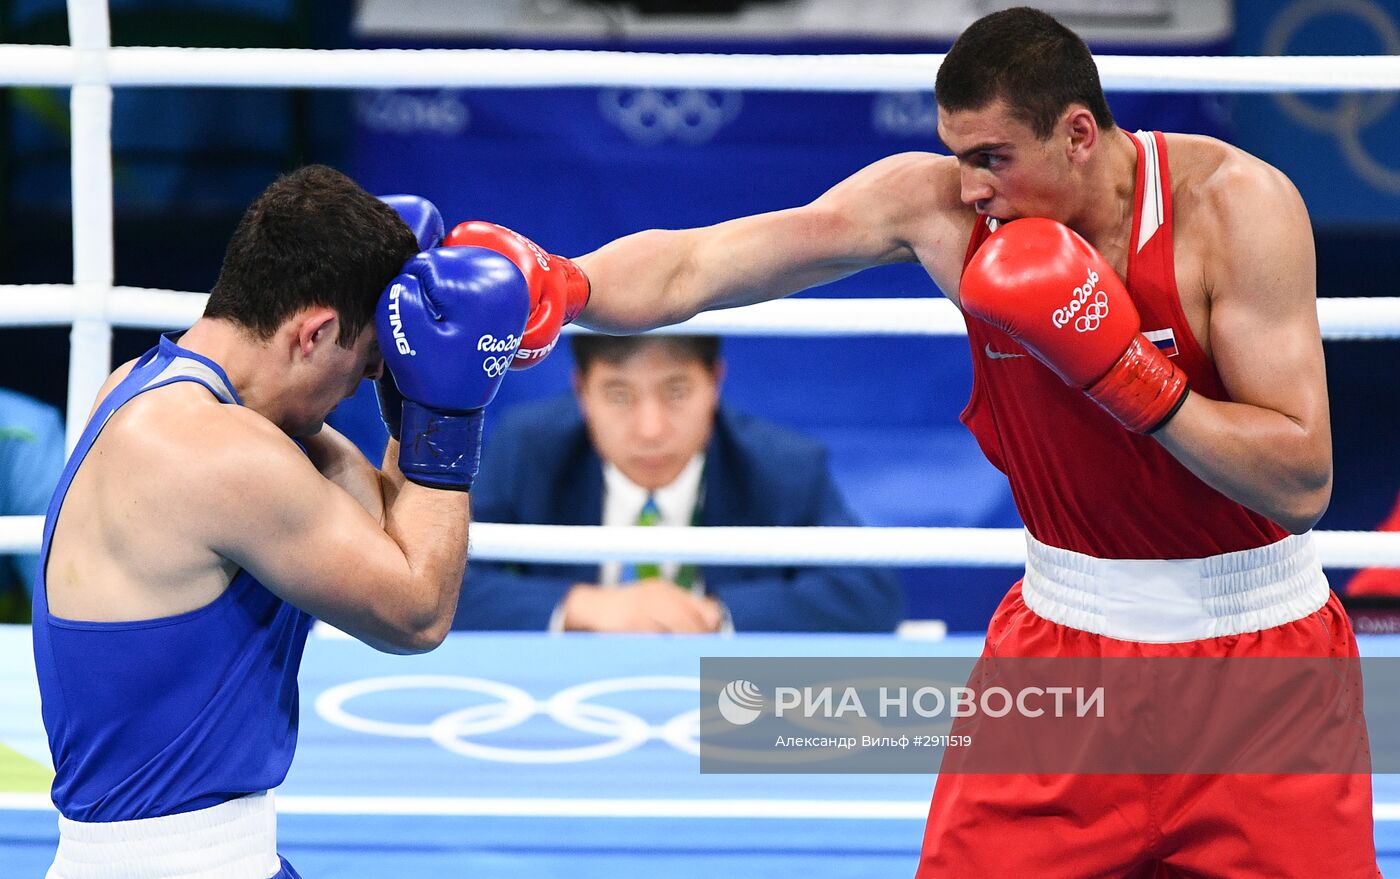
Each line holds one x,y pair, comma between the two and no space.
168,715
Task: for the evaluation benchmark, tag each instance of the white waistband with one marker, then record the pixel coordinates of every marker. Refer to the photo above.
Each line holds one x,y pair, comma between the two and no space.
233,840
1173,600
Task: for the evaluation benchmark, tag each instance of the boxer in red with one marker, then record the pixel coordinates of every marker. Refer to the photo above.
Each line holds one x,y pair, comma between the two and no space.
1148,372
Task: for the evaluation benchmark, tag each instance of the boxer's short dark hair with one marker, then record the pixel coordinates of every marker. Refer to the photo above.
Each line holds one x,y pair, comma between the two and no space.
590,348
1026,58
313,237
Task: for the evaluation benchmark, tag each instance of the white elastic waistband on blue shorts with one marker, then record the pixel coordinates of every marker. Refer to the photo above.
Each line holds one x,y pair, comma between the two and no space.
233,840
1175,600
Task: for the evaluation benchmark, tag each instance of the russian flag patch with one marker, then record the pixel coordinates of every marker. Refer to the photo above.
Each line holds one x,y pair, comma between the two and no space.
1164,340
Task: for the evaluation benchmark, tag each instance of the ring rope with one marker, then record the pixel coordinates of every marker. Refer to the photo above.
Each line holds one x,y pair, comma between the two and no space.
55,305
756,547
534,68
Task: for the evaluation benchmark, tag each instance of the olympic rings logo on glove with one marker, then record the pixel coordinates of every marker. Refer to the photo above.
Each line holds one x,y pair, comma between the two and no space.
506,707
495,367
1077,297
1093,315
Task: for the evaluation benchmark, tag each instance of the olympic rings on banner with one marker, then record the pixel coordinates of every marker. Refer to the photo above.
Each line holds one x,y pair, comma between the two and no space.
1354,112
654,116
453,731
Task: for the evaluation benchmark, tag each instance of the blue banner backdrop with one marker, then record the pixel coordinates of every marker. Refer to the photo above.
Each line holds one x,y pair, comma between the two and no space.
1339,149
575,168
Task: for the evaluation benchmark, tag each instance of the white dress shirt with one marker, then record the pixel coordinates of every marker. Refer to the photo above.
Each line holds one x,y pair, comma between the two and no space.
623,500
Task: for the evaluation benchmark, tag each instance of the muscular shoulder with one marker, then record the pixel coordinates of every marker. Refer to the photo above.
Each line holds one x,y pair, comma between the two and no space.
1241,228
901,185
903,170
112,381
189,446
914,198
1219,189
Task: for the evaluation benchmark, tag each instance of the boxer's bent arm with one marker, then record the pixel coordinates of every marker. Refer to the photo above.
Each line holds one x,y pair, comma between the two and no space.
1270,449
341,461
660,276
305,538
391,478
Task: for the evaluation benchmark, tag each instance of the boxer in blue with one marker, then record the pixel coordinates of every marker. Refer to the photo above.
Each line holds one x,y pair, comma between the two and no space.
206,517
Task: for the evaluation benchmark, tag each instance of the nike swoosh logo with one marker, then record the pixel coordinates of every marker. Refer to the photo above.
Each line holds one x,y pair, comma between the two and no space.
994,354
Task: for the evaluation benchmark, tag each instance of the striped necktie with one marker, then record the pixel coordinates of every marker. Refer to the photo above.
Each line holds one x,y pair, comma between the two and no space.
650,515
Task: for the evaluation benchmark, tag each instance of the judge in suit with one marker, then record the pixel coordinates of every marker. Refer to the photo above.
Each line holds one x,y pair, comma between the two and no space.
645,441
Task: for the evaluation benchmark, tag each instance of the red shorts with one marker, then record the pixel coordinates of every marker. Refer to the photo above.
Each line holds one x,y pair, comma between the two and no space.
1091,826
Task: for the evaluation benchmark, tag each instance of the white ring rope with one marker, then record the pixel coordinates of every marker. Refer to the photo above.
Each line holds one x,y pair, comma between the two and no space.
92,306
863,547
900,547
533,68
34,305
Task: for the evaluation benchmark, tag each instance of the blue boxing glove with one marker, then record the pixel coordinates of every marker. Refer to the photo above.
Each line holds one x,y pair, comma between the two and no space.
425,221
449,325
422,217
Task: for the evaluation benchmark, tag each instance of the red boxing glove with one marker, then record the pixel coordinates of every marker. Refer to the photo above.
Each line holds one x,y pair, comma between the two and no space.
1042,284
558,287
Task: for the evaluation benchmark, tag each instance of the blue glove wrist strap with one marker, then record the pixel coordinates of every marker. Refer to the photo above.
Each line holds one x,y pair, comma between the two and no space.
440,449
390,404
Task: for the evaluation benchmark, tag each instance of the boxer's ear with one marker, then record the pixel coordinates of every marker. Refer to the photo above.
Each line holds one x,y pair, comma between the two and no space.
1080,133
316,326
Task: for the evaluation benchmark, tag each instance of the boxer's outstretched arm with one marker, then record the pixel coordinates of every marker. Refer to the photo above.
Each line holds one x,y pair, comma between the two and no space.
660,277
1271,448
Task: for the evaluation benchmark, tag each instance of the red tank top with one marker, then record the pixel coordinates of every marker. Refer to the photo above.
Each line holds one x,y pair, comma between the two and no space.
1081,482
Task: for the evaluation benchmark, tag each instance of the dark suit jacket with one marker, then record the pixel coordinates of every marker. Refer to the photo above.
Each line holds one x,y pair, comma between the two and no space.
539,468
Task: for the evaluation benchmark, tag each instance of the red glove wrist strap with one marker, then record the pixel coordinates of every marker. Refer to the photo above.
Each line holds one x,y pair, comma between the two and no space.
577,286
1143,390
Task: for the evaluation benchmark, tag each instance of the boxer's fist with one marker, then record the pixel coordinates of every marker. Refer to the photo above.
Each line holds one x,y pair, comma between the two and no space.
558,287
425,221
449,325
1042,284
